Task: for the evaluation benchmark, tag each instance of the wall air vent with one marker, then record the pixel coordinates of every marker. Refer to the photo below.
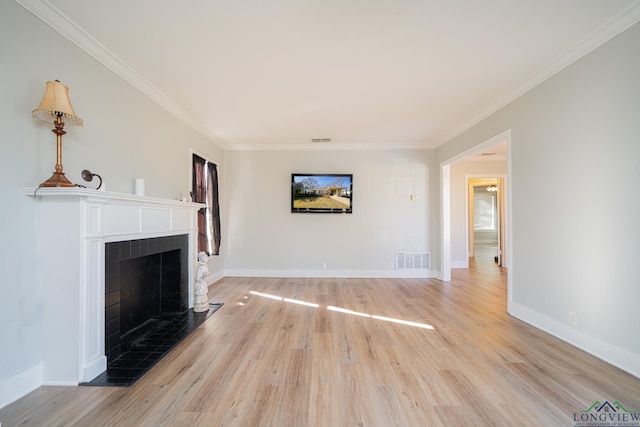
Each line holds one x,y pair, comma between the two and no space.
320,139
413,261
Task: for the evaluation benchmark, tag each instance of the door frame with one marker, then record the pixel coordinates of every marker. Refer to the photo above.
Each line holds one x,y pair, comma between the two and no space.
445,207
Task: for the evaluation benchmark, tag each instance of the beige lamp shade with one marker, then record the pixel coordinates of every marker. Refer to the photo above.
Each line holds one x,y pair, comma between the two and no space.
56,100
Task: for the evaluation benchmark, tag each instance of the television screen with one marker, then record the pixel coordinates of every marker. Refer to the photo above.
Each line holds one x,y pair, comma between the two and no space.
321,193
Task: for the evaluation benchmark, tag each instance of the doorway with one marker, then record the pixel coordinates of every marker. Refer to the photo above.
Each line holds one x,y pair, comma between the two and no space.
450,191
484,210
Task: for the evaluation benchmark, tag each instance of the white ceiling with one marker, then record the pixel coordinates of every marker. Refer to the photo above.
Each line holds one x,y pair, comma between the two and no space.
259,74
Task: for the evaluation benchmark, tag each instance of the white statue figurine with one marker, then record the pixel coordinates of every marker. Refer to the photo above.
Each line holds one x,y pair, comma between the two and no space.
201,302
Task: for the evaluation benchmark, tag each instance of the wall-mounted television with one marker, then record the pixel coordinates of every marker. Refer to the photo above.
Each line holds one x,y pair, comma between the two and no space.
321,193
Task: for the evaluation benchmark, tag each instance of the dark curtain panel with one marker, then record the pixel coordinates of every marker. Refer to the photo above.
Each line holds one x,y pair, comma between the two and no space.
214,208
205,190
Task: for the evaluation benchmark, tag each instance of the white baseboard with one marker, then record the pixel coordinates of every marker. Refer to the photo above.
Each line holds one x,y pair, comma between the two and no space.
61,383
215,277
460,264
19,385
400,274
625,360
95,368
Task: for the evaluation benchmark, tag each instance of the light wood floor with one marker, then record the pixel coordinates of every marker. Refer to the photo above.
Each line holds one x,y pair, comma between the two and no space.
265,362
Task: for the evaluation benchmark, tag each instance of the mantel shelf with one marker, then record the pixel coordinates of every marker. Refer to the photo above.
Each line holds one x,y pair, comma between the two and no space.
105,196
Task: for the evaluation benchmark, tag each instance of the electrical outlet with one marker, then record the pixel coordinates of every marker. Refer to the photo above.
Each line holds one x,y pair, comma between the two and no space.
573,319
391,265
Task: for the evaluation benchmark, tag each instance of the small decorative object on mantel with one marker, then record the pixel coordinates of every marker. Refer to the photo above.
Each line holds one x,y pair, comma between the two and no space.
201,302
88,176
138,187
55,106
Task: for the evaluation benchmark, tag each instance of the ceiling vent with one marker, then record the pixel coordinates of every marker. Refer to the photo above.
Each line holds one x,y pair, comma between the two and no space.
320,139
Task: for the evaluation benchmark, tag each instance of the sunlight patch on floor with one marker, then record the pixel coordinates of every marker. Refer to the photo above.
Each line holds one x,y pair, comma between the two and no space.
343,310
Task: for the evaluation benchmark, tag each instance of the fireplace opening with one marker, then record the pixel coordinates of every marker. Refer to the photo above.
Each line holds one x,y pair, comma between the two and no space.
144,279
149,286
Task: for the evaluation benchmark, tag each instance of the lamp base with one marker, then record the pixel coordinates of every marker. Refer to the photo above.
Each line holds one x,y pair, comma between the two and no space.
57,180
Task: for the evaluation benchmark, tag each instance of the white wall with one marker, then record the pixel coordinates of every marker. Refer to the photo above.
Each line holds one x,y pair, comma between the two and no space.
266,239
125,136
575,204
458,176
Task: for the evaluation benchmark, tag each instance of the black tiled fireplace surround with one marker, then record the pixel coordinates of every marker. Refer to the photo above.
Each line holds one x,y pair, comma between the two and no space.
160,266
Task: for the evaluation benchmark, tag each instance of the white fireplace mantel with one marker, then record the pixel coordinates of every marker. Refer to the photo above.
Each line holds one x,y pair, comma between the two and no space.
72,227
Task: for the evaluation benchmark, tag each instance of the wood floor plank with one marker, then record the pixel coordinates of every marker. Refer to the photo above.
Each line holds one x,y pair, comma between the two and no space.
269,358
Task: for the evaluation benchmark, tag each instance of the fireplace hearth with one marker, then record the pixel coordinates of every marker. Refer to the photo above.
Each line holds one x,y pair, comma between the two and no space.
148,344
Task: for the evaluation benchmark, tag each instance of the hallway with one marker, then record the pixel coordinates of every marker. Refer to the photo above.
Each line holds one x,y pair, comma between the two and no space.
484,261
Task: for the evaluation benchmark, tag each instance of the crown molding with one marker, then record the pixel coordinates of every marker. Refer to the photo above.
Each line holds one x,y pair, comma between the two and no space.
331,147
57,20
621,22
